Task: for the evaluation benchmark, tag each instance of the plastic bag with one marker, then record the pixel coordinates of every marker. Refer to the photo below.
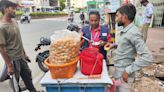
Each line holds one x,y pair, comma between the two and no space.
64,47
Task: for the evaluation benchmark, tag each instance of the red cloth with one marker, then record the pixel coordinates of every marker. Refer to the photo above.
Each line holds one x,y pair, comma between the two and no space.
112,88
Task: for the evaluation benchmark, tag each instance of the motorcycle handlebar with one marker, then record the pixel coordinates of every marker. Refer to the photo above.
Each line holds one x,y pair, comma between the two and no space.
43,42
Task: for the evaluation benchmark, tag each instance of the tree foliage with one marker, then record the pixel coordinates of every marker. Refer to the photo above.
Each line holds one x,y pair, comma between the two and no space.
55,2
62,4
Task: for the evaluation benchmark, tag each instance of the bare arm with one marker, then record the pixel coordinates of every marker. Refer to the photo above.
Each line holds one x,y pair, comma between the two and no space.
10,68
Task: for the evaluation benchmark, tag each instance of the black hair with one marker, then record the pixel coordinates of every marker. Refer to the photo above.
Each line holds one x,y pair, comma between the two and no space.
143,1
129,10
6,4
94,13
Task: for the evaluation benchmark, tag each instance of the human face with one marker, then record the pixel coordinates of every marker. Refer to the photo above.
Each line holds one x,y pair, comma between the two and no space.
144,4
10,11
94,21
119,19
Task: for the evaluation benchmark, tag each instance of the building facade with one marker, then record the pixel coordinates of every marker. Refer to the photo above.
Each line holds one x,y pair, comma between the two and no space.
158,19
35,5
42,5
27,5
77,3
158,13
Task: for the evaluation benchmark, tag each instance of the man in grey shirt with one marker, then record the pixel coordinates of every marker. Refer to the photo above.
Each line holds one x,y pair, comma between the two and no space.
130,45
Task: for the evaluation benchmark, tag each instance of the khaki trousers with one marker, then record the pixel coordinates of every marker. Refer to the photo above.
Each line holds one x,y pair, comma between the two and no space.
144,31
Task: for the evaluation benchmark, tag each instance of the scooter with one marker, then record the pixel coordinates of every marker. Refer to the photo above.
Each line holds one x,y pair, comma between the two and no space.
42,55
46,42
25,18
73,27
70,19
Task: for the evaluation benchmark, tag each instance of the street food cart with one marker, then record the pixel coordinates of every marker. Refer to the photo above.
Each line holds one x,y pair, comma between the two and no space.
79,82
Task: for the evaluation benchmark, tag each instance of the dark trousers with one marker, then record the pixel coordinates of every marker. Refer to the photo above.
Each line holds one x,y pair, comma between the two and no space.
22,69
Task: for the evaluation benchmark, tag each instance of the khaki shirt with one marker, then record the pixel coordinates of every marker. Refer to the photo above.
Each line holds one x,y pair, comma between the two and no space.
10,37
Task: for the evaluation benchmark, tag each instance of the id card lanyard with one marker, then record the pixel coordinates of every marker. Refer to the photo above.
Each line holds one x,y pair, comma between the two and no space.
93,37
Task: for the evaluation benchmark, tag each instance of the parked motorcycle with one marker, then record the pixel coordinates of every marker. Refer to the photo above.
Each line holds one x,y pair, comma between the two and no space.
25,18
73,27
70,19
46,42
42,55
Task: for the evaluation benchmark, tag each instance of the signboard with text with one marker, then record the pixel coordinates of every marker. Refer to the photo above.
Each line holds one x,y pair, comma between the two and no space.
27,3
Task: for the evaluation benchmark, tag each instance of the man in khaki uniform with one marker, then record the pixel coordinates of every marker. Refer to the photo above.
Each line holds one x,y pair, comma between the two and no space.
11,47
147,14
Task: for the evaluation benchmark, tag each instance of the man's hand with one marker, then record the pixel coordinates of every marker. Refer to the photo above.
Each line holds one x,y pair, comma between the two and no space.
108,46
27,58
10,69
102,43
125,76
95,43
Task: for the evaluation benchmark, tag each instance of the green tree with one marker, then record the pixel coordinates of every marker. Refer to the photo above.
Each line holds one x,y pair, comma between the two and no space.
62,5
53,2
